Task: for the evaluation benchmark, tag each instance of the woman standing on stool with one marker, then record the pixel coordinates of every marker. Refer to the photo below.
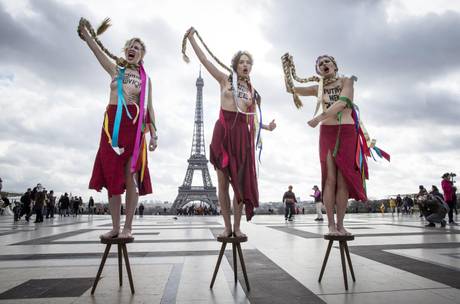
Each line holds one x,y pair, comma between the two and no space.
121,161
232,150
343,142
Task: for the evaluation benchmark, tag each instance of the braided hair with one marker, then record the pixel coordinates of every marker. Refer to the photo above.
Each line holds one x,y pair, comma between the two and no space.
290,75
100,30
234,62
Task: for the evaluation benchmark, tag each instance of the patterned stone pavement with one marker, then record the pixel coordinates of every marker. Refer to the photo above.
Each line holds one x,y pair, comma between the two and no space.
395,258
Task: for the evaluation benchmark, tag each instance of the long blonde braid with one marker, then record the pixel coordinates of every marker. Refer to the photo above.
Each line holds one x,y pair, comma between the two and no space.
185,57
101,29
290,75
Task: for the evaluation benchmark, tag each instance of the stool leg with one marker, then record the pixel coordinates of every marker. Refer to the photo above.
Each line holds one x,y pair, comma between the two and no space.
219,259
328,251
120,262
98,276
234,261
345,246
344,266
128,267
243,266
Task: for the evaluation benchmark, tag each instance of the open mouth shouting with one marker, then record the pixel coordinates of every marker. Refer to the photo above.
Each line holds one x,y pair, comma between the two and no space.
131,55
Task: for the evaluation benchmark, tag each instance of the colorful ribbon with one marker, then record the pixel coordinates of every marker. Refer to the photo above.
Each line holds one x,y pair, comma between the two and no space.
139,133
113,140
140,144
364,144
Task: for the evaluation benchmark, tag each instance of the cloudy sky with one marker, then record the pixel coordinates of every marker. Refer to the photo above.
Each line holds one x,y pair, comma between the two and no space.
405,54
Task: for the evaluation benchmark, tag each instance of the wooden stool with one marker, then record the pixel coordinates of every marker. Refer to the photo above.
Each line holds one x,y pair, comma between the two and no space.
343,248
236,245
121,242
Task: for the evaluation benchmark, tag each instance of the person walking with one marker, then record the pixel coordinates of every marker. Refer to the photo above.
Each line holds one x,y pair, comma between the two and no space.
51,205
448,190
392,205
91,205
318,202
39,203
289,200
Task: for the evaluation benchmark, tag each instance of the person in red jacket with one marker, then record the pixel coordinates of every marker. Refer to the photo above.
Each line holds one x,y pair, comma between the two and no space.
448,190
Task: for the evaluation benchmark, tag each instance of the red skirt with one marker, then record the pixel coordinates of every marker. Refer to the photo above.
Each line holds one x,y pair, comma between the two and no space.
232,152
109,167
345,158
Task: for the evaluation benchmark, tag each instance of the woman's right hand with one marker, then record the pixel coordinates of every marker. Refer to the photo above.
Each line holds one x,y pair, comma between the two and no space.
82,30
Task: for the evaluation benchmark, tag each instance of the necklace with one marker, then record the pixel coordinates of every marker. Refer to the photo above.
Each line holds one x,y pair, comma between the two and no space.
328,81
122,62
243,78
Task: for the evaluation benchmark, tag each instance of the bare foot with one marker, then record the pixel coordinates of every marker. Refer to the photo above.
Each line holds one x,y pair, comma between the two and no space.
109,235
125,234
238,233
226,233
333,230
342,231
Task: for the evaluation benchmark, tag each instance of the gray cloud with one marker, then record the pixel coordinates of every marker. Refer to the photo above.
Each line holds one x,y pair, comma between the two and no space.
56,92
363,41
411,106
47,44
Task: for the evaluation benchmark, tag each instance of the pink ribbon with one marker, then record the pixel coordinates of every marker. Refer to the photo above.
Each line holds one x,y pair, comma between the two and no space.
140,119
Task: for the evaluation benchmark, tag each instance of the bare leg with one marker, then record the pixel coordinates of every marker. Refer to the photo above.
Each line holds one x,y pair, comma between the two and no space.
238,210
131,201
114,207
329,193
341,199
224,200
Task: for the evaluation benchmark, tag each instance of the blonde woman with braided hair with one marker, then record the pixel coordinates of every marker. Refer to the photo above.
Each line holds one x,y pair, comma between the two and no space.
235,136
121,160
343,142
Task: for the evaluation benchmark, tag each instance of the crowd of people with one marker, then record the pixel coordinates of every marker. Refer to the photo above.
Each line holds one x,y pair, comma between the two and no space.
400,205
197,210
433,205
42,203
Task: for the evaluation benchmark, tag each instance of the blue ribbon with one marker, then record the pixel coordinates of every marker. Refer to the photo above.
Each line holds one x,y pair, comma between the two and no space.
120,104
377,150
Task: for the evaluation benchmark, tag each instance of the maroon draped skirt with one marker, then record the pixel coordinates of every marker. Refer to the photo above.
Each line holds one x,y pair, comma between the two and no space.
345,158
109,167
232,152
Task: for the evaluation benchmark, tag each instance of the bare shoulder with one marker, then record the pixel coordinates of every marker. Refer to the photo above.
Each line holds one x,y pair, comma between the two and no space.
348,81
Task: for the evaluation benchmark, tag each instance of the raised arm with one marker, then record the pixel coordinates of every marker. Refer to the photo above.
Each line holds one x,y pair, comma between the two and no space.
212,69
307,91
106,63
347,92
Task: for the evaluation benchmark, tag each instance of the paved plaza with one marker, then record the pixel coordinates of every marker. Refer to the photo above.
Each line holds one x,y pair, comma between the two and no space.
396,260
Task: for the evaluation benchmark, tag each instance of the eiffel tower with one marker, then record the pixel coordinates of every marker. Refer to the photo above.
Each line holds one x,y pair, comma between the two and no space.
197,161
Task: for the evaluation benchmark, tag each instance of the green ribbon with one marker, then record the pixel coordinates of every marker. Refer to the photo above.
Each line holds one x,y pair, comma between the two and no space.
339,118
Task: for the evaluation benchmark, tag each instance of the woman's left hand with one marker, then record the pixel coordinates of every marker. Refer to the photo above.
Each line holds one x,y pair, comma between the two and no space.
271,126
153,143
313,123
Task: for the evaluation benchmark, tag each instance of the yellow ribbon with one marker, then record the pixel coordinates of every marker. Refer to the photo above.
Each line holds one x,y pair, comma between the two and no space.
106,127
